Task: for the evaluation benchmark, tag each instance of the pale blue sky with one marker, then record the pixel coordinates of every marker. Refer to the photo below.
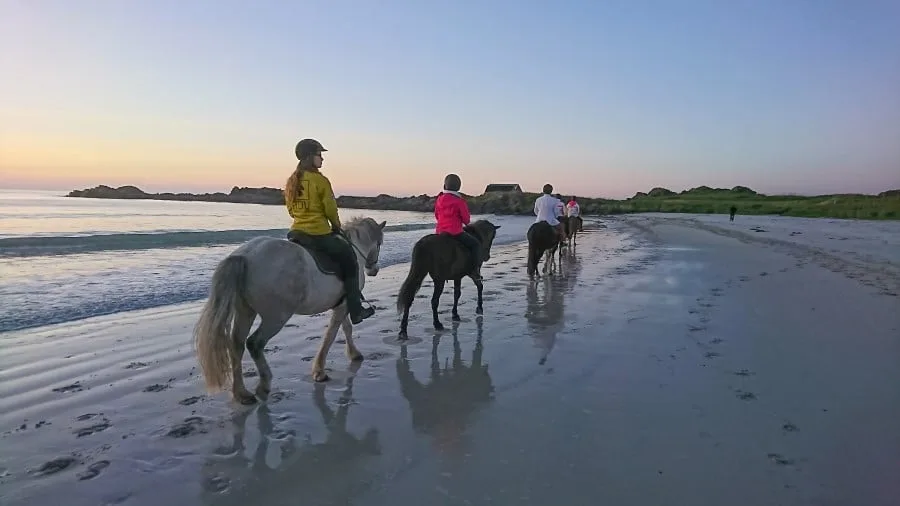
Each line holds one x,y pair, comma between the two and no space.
599,98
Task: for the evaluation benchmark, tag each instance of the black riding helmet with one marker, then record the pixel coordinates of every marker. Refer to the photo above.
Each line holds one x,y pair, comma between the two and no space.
308,147
452,183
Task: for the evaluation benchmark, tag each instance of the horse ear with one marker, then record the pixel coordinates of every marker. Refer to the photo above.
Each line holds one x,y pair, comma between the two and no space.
382,224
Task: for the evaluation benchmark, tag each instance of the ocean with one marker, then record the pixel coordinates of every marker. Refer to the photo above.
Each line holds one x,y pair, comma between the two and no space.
64,259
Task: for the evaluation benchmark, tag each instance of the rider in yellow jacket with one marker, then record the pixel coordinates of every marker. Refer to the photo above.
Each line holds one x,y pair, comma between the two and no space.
310,202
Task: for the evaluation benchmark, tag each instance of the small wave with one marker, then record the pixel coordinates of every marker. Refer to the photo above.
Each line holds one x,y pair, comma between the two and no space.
70,245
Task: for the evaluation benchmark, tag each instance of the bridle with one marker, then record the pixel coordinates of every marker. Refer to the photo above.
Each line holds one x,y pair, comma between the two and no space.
370,261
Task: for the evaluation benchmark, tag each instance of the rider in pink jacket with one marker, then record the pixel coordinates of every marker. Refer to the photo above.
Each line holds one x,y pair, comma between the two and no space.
452,213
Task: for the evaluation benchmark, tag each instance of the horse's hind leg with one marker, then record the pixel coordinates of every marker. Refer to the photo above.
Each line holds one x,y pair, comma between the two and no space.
243,320
338,315
457,291
256,345
352,353
435,301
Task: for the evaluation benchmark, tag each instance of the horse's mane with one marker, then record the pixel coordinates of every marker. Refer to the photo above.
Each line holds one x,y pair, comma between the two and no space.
364,229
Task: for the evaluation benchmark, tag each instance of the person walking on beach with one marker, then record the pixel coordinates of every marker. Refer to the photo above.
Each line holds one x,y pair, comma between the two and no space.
574,211
451,212
311,203
546,208
733,212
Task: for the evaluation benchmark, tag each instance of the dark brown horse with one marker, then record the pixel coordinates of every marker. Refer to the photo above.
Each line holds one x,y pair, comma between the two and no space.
543,240
573,226
443,258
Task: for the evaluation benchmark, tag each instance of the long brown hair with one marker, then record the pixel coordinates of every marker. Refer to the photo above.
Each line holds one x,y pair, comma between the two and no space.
293,188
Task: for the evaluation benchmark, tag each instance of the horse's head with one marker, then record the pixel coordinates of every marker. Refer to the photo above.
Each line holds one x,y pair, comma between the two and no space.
485,231
366,236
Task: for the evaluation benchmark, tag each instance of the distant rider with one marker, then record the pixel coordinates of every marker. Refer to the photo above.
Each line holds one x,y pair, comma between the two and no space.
451,213
546,208
574,211
310,201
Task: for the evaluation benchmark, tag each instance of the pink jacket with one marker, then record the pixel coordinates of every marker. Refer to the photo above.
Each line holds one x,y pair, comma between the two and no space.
451,213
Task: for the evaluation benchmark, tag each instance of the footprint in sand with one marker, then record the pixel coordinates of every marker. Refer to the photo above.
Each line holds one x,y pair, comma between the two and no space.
716,340
745,396
377,355
780,459
54,466
744,372
250,373
191,400
190,425
156,388
93,470
74,387
308,358
711,354
93,429
789,427
136,365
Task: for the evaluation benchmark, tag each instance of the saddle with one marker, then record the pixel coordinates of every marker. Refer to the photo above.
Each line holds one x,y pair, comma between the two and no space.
325,263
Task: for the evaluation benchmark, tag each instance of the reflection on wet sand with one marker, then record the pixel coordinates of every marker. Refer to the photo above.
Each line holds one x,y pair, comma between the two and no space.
545,303
313,469
443,407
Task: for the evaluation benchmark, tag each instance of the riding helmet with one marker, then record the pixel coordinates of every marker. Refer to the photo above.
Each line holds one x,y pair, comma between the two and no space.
308,147
452,183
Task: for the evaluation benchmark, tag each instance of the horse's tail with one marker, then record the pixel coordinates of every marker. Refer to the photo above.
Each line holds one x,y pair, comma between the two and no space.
212,334
418,269
534,256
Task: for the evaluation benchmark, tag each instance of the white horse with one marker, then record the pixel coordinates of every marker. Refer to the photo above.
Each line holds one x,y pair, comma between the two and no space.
274,279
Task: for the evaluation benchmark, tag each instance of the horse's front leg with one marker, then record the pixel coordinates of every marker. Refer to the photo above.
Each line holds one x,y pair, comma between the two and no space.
352,352
338,315
435,301
480,287
457,291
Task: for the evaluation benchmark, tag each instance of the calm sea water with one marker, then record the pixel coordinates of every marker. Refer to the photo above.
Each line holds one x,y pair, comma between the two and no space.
64,259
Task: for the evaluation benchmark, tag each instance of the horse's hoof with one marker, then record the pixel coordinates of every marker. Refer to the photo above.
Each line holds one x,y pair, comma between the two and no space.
320,377
438,326
456,318
479,310
262,393
357,358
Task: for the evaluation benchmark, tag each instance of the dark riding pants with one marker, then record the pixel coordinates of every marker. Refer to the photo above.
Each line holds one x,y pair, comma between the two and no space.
474,246
340,250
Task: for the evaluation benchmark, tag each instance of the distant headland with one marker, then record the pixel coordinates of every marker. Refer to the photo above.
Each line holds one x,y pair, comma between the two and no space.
511,200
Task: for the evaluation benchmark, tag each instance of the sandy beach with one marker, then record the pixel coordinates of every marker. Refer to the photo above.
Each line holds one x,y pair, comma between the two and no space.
674,360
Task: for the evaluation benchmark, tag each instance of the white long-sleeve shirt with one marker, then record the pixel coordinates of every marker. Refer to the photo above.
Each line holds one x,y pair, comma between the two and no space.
545,209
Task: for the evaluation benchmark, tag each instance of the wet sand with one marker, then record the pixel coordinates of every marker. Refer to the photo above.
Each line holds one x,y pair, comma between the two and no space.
669,362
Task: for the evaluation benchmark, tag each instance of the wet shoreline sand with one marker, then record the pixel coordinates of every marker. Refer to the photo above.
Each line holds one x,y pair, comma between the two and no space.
666,364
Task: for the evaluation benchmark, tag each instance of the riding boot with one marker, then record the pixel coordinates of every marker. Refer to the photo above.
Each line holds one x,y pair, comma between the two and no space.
354,301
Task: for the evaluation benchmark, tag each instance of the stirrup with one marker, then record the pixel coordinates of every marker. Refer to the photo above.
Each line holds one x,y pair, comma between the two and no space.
364,313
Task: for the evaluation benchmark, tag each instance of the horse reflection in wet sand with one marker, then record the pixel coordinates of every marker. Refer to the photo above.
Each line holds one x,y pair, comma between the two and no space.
443,407
545,304
315,470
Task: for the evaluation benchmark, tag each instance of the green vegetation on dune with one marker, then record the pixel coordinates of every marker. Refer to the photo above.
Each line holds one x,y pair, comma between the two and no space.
704,200
700,200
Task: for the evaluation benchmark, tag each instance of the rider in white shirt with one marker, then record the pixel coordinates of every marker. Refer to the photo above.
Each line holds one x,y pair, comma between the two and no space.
546,209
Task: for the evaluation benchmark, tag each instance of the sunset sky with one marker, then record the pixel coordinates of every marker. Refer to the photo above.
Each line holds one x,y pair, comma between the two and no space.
600,98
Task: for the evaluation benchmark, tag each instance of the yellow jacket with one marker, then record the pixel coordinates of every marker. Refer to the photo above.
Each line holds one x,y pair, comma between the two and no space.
315,207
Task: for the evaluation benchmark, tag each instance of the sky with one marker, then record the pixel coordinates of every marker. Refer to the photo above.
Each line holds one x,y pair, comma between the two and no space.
599,98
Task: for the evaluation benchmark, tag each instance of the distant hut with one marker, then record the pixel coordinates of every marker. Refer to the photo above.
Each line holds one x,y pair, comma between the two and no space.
494,188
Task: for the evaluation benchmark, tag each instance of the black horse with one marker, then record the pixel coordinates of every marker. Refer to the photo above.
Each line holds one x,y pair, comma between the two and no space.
543,239
443,258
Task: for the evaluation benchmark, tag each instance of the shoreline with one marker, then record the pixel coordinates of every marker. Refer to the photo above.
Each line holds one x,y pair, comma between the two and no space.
665,363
